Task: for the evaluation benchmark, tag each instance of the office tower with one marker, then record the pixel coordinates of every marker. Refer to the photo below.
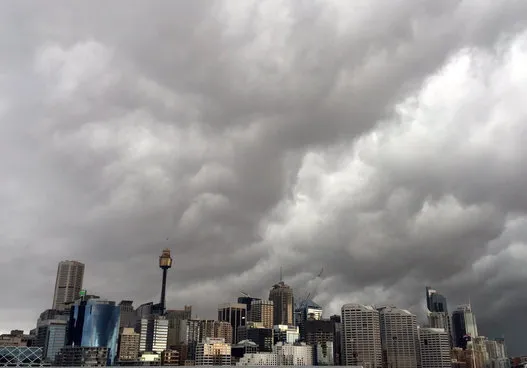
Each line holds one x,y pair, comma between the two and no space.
282,297
128,315
361,336
213,351
261,311
94,323
437,311
68,284
165,262
223,330
51,336
153,334
319,333
305,310
248,301
435,348
399,339
235,314
286,334
128,346
337,333
174,322
259,334
464,325
298,354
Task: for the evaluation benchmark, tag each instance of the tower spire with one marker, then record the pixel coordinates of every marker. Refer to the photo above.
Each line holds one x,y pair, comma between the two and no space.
281,274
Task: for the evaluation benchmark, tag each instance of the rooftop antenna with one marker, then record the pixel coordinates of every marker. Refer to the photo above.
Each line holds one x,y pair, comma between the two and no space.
281,274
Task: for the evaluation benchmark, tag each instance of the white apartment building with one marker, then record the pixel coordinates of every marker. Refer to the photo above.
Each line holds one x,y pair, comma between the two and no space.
399,339
361,337
298,354
435,348
213,351
154,334
265,359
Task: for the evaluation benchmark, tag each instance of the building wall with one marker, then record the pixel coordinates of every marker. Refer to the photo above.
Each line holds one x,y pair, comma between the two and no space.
262,311
68,284
294,354
259,359
235,314
435,348
213,352
282,297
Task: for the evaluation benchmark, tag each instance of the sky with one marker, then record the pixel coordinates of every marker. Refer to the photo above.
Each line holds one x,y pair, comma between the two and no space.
380,141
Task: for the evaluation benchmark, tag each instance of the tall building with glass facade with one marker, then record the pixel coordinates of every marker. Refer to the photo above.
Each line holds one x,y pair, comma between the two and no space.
282,297
464,325
94,323
438,316
68,284
235,314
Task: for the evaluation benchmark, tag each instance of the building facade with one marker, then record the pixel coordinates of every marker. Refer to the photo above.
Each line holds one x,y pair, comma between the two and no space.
298,354
68,284
128,350
175,316
434,348
235,314
283,304
213,351
262,311
399,338
464,325
153,334
361,337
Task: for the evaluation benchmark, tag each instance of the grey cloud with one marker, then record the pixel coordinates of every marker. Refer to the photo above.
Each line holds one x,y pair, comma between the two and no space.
246,137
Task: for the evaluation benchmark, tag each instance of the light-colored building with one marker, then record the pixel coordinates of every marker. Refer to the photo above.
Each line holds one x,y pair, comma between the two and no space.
464,324
259,359
51,336
153,334
213,351
435,348
286,334
262,311
298,354
223,330
324,353
128,350
361,336
282,297
68,284
399,339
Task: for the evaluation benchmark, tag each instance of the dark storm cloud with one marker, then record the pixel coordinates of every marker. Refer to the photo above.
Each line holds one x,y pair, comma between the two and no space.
356,137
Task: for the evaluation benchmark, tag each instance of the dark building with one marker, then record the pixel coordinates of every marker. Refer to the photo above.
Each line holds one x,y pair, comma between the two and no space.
94,324
76,356
337,333
263,337
464,326
175,316
235,314
320,332
282,297
242,348
435,302
247,300
128,317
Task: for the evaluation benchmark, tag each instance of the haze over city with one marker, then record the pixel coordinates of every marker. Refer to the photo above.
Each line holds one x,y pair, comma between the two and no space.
380,141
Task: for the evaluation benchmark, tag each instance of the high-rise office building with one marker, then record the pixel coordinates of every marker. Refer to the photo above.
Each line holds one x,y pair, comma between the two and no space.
320,334
51,336
153,334
282,297
175,316
128,351
94,323
128,315
235,314
361,336
437,309
223,330
258,333
307,309
261,311
337,333
299,354
68,284
464,325
399,339
248,301
434,348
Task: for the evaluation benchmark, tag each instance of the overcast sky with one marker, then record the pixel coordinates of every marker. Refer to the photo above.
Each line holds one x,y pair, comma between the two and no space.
383,141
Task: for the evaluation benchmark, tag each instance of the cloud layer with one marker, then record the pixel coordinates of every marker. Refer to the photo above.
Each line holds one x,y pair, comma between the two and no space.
380,142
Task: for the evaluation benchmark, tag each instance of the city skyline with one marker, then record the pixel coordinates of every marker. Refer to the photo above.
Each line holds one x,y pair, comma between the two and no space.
381,141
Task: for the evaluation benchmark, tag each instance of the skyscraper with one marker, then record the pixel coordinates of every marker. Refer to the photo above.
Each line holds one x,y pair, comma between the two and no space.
235,314
165,262
361,336
94,323
435,348
174,323
464,325
400,342
261,311
68,284
438,316
282,297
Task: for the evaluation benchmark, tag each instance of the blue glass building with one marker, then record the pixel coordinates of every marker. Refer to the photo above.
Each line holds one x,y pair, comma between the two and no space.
95,323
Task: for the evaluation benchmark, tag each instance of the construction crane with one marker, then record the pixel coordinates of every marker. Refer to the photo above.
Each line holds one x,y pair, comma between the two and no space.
245,294
314,291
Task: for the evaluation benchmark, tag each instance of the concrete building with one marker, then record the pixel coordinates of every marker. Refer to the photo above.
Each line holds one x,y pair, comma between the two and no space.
435,348
51,336
128,350
437,309
153,334
242,348
170,357
68,284
223,330
319,333
283,304
175,316
235,314
337,333
298,354
463,325
307,309
399,338
78,356
323,353
213,351
259,359
361,337
286,334
262,311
